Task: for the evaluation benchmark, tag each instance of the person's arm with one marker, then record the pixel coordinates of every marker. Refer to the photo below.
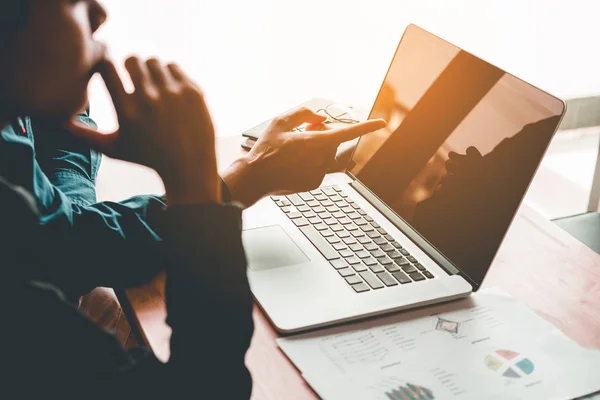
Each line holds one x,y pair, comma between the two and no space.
65,172
209,307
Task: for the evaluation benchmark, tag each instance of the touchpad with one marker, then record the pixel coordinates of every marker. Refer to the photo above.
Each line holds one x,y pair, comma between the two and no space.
271,247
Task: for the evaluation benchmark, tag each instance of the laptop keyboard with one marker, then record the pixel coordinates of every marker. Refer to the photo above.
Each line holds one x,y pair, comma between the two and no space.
359,249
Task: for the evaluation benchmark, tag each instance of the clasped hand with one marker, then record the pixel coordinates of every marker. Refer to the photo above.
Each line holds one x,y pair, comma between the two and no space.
165,124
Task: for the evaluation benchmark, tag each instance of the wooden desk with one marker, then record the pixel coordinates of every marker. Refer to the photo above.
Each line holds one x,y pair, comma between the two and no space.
538,264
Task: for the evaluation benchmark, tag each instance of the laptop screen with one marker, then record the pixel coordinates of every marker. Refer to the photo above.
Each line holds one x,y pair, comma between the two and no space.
463,142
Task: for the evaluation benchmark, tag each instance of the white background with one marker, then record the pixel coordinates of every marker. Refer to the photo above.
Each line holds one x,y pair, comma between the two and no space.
255,58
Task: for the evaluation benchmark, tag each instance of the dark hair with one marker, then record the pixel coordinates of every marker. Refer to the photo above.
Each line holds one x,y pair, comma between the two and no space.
13,14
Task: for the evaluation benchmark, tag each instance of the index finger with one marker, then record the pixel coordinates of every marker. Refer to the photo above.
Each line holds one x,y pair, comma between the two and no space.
113,83
298,117
351,132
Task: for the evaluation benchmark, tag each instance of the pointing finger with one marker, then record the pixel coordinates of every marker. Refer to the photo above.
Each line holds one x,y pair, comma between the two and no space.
297,117
345,134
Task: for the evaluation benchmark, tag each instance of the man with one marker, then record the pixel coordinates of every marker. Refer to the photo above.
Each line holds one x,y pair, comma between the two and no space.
56,245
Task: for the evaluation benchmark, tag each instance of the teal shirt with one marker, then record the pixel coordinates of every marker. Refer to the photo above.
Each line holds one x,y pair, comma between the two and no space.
115,240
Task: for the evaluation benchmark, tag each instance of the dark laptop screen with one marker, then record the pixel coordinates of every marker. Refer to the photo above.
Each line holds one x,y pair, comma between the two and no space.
463,142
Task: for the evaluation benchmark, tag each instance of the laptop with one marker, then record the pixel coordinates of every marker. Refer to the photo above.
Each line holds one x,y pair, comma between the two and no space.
423,205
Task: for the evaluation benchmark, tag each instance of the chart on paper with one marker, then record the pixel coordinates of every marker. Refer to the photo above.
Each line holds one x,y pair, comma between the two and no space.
509,364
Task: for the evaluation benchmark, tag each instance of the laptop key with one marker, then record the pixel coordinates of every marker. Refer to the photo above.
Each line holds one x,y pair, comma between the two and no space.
396,245
389,238
386,279
300,222
404,252
354,205
337,214
327,203
416,276
392,268
319,209
382,231
364,240
303,208
329,191
351,227
356,247
345,221
412,259
313,203
370,261
375,235
353,279
339,264
346,253
321,227
409,269
387,247
333,209
295,200
354,216
333,239
352,260
314,220
378,240
370,219
394,254
327,233
331,221
343,234
420,267
401,262
294,215
349,240
336,228
305,196
385,260
309,214
371,246
361,222
288,210
279,203
428,274
346,209
315,192
346,272
337,189
401,277
361,288
377,253
376,268
362,212
320,197
371,280
357,233
363,254
367,228
324,215
360,267
319,242
336,198
339,246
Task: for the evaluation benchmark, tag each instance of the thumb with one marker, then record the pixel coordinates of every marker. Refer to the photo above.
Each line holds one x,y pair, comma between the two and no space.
103,143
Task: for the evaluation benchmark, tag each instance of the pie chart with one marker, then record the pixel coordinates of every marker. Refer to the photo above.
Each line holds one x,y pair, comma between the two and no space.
509,364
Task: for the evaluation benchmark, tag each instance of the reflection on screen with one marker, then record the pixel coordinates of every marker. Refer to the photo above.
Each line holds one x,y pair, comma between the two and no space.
462,144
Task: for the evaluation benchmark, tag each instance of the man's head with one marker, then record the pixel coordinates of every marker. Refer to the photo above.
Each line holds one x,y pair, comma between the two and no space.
47,55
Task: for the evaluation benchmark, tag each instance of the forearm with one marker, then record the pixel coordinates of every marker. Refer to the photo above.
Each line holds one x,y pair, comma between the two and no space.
208,298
